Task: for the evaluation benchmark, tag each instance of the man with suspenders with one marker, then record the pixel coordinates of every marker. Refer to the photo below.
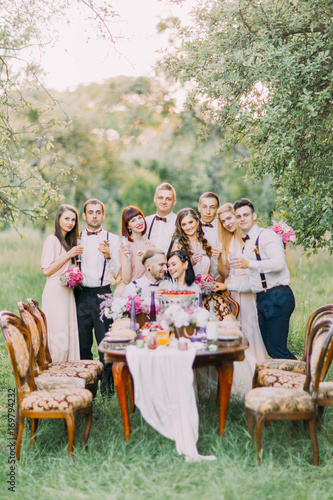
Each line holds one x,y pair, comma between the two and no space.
269,278
161,226
99,263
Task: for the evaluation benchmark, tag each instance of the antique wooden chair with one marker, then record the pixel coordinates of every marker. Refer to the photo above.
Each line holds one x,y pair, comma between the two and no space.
223,304
91,371
34,404
271,403
294,365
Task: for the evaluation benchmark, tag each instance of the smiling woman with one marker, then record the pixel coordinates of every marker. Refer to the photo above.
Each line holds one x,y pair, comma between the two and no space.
134,245
58,303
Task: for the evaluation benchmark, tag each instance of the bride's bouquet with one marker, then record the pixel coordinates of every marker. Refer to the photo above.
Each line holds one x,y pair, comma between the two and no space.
71,278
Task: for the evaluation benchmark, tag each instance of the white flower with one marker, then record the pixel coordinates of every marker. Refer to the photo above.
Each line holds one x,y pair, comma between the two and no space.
199,317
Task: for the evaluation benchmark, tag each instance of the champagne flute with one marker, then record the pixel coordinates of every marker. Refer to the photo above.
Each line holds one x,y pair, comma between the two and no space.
125,242
231,256
79,243
199,250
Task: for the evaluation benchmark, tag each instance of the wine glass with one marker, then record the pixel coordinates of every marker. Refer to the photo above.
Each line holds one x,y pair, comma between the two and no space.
198,248
231,256
79,243
127,249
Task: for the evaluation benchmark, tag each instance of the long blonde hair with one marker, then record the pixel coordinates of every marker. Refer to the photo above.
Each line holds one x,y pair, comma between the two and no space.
225,236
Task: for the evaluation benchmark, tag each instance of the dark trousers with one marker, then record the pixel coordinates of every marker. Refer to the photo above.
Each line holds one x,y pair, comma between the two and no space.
274,310
88,316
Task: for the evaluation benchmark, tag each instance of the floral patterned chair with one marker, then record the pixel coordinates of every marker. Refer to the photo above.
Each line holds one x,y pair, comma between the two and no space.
34,404
224,304
89,370
294,403
293,365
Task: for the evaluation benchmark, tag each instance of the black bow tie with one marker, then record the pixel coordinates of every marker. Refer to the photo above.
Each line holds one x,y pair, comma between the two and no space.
154,284
163,219
93,233
247,237
207,225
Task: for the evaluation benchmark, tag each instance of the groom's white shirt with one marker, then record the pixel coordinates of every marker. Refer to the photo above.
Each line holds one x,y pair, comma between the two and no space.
272,264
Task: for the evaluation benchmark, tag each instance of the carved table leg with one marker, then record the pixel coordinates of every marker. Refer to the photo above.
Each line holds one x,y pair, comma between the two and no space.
120,376
225,373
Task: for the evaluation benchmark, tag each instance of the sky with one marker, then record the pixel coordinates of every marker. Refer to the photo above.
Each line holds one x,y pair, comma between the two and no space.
74,60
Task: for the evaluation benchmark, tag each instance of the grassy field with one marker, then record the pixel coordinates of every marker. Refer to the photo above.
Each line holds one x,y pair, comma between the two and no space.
147,466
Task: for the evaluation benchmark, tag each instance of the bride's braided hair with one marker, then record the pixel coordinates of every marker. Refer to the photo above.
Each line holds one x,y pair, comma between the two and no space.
183,239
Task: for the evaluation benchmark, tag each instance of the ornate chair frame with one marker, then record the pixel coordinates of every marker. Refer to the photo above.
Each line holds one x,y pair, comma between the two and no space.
309,393
22,361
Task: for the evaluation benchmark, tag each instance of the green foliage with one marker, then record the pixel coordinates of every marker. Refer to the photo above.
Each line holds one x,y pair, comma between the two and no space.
26,140
262,71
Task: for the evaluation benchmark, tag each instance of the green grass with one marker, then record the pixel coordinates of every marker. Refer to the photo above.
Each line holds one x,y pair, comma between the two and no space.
147,466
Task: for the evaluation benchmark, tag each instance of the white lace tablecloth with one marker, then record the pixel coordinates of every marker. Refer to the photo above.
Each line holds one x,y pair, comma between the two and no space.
164,394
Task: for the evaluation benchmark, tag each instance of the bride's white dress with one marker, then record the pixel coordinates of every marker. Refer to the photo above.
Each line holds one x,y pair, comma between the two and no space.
248,318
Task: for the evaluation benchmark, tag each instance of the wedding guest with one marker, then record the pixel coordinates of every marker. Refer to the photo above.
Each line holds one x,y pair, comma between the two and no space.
100,264
133,247
189,236
161,225
181,271
155,264
58,303
208,204
232,246
268,277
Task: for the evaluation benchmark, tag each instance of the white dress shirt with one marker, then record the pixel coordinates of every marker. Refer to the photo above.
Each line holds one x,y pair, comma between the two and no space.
161,232
272,264
92,260
142,283
211,236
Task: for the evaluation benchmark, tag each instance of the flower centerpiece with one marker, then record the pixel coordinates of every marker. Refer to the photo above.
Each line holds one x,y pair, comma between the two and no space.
120,307
205,282
190,318
71,278
286,232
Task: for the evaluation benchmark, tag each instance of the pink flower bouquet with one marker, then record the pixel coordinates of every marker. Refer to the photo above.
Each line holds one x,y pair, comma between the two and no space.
205,282
286,232
71,278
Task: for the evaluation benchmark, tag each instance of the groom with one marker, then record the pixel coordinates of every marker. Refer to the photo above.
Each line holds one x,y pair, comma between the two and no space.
265,262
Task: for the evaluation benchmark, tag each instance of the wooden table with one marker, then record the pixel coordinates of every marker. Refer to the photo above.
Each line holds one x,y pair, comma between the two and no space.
222,359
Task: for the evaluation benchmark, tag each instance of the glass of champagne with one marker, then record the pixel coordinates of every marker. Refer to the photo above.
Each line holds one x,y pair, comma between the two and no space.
78,243
127,249
231,257
199,252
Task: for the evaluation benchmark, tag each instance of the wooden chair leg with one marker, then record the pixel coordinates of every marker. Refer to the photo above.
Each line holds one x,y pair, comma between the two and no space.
260,422
314,441
250,423
19,438
70,419
87,427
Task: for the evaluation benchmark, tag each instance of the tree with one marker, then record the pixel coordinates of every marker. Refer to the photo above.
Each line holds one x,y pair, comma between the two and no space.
25,26
261,70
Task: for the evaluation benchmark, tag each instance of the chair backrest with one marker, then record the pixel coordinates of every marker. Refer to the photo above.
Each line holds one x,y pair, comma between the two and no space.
317,315
19,348
43,324
32,326
319,354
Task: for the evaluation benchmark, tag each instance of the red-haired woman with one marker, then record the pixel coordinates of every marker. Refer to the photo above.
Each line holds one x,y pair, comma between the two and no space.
133,246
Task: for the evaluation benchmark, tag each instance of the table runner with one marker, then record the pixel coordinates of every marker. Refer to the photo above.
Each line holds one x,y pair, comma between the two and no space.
164,394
